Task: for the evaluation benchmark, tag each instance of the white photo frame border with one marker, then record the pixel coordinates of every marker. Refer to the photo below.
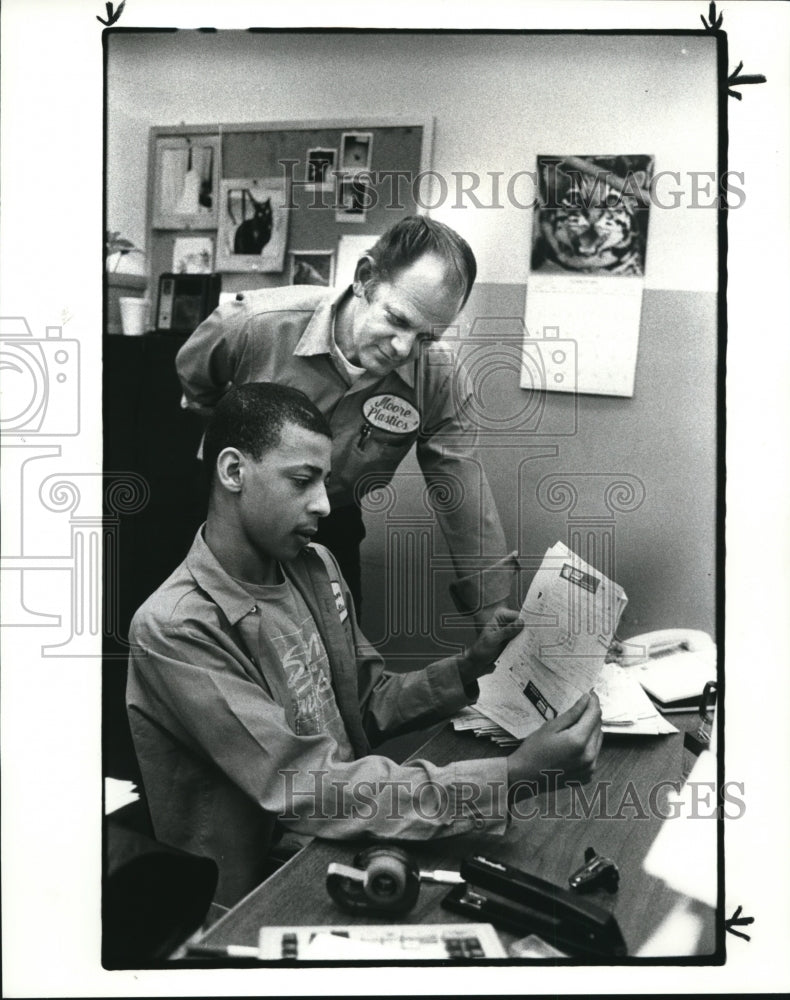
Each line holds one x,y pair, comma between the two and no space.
294,256
166,218
180,243
328,183
345,140
271,259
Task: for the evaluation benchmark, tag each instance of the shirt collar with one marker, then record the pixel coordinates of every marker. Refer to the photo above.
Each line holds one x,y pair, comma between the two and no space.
317,337
231,597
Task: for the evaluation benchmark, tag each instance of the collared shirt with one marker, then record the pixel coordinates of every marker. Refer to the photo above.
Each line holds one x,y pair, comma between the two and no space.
214,727
285,335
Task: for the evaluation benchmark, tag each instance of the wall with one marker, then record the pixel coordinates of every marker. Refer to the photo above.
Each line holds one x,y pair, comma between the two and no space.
497,102
545,94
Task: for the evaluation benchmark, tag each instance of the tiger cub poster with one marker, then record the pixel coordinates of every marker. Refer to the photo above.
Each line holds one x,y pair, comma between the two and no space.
587,268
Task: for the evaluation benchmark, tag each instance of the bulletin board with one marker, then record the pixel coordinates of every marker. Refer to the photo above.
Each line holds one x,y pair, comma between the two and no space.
268,202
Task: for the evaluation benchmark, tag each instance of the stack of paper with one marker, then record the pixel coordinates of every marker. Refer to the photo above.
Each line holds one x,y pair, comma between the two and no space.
625,709
571,613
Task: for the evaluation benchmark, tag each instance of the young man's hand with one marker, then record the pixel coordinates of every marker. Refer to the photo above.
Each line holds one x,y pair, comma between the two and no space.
569,743
496,634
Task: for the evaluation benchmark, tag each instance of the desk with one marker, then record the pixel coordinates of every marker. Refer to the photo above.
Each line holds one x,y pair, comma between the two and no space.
551,846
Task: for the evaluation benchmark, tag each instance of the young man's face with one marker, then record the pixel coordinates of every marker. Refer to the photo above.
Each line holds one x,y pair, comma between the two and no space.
283,494
418,304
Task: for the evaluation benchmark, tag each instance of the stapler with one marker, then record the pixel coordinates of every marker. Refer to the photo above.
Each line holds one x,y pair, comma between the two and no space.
525,904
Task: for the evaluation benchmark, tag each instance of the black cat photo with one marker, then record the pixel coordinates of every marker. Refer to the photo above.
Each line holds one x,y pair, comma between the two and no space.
255,231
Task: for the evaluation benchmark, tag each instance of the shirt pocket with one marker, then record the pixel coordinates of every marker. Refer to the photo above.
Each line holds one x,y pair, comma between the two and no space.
373,441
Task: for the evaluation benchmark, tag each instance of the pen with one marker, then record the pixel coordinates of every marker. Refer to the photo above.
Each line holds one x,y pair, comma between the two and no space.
229,951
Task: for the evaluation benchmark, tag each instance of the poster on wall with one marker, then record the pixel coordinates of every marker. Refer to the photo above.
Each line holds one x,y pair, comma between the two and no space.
587,267
253,224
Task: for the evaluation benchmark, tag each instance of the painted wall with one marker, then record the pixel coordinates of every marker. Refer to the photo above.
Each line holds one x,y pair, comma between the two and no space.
497,102
660,445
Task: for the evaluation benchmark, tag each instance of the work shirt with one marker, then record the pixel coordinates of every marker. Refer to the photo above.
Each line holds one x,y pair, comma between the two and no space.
215,726
286,335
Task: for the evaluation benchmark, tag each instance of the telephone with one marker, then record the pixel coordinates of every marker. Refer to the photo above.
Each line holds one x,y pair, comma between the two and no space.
673,665
652,645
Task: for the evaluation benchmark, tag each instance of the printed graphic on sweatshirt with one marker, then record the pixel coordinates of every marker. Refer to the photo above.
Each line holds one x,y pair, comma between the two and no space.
308,675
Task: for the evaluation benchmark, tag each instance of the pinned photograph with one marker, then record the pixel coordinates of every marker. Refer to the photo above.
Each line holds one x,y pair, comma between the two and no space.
193,255
185,179
253,225
312,267
355,151
320,166
592,215
354,197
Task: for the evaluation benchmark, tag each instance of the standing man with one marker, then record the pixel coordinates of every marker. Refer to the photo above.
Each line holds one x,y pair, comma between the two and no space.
370,359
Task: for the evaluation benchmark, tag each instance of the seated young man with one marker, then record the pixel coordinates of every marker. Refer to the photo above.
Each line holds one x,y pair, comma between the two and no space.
254,699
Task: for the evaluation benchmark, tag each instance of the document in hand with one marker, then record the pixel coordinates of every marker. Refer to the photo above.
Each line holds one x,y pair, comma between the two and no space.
571,613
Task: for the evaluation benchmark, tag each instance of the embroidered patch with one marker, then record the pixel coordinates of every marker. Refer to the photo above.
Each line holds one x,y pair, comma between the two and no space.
391,413
342,610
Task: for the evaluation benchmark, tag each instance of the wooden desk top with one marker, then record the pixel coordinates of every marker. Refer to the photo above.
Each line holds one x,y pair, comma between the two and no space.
550,845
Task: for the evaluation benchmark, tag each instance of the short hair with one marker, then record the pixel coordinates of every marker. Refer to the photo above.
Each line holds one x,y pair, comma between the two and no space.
408,240
251,418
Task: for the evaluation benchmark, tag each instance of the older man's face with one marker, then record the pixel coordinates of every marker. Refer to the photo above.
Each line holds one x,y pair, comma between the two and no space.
418,304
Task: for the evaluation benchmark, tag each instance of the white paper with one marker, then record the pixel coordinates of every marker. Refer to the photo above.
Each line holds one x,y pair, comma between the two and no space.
680,675
571,612
596,324
404,942
684,852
